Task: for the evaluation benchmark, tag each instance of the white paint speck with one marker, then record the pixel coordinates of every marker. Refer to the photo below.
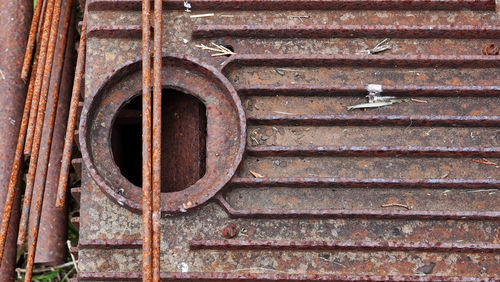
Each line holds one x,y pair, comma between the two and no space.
374,88
187,5
183,267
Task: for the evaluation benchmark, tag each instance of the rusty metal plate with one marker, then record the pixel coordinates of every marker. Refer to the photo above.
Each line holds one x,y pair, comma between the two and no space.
297,185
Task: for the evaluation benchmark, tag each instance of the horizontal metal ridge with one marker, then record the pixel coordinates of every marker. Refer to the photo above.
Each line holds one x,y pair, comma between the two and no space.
355,90
109,244
479,5
347,31
343,213
291,245
373,151
381,61
328,182
115,31
375,120
264,277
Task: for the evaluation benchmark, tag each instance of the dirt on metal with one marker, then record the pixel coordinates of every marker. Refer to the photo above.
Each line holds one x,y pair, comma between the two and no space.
295,184
53,221
15,21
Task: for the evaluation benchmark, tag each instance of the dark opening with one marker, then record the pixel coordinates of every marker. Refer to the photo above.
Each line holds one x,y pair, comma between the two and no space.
184,127
230,49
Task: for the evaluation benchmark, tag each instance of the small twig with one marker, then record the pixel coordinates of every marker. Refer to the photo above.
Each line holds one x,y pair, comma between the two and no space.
226,16
483,190
45,269
66,277
256,174
288,69
331,261
202,15
282,113
256,268
73,260
1,73
379,48
374,104
418,101
485,161
396,205
299,17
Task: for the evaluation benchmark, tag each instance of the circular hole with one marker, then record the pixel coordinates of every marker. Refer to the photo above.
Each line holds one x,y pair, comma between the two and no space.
184,126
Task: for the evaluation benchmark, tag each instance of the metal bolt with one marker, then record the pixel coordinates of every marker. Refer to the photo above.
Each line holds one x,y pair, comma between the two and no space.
230,231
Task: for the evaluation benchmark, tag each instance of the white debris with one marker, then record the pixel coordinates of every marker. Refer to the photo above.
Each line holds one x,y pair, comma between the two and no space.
187,5
374,88
183,267
202,15
375,100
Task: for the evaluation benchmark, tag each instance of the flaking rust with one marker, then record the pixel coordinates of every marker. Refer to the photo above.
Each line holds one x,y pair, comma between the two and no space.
315,191
14,20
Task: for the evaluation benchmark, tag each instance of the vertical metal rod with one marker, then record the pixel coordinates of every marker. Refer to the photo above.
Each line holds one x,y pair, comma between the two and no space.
157,64
70,129
52,233
44,34
14,176
146,143
14,20
31,40
44,158
30,178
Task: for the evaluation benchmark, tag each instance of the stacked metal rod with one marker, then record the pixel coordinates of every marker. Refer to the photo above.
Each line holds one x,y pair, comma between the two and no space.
73,110
15,22
45,78
151,142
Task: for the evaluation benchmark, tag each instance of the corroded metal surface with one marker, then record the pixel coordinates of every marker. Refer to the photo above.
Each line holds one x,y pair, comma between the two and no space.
14,19
52,234
297,186
43,136
72,116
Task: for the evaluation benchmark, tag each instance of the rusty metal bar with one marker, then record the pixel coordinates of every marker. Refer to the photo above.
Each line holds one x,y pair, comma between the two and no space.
156,145
341,245
316,31
354,90
30,178
373,151
14,20
43,44
44,157
109,244
53,222
265,277
147,232
375,120
31,40
449,5
116,31
30,99
378,61
73,111
347,31
343,213
328,182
